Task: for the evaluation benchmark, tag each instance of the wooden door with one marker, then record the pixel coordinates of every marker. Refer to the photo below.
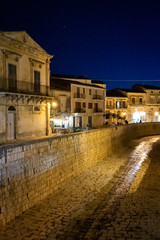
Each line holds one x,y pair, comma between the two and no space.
11,126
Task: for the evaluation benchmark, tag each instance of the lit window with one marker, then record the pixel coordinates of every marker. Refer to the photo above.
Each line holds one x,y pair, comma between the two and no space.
117,104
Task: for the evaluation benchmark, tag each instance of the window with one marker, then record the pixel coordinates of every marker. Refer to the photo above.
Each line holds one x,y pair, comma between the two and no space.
84,105
36,82
123,103
90,92
83,90
109,103
12,77
89,105
11,108
78,90
117,104
96,107
133,100
37,108
89,121
77,107
152,99
140,100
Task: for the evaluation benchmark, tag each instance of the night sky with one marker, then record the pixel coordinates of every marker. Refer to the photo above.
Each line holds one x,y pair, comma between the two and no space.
113,41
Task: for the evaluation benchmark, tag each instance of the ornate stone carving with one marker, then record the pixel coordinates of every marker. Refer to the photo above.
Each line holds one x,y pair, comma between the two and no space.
16,56
35,63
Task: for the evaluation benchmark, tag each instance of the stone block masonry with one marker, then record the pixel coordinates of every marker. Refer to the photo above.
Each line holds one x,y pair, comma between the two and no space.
31,170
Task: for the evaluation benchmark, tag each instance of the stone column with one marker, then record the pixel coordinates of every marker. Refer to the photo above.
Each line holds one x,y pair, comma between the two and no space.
48,128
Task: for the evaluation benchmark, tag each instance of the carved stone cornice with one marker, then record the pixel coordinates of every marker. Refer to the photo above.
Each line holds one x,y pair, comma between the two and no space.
36,63
27,99
16,56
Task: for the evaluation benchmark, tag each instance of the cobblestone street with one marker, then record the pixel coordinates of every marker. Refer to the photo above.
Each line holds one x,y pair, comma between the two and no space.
117,199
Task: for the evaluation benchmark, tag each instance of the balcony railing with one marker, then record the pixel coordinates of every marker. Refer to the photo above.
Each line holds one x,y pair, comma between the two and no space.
98,110
79,95
114,106
109,106
79,110
6,85
137,103
97,97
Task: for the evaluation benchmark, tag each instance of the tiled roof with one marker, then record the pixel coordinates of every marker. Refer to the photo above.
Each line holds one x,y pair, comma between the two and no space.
133,90
65,85
115,93
69,76
146,87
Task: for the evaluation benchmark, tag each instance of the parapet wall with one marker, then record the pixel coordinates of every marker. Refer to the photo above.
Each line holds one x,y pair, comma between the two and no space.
31,170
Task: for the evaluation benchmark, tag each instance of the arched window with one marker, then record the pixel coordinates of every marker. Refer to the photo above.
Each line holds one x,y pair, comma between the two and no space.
11,108
37,108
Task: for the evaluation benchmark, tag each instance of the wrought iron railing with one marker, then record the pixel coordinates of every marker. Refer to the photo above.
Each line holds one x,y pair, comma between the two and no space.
15,86
97,97
79,110
98,110
114,106
79,95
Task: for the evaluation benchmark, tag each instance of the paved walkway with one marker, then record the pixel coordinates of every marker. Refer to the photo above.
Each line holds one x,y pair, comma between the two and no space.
117,199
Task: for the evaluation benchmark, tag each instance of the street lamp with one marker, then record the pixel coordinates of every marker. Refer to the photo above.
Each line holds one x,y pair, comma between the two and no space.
54,104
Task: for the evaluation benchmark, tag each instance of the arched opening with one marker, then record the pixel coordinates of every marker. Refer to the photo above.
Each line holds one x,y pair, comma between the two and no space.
136,116
11,108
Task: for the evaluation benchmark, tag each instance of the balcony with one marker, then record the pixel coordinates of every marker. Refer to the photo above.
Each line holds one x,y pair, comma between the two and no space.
6,85
110,106
79,95
98,110
114,106
99,97
79,110
137,103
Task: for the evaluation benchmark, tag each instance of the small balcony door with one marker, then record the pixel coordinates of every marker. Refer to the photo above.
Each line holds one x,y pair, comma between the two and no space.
90,121
11,126
96,107
12,77
36,82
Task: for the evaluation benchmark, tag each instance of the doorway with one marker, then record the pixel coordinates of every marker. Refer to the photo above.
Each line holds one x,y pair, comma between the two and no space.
11,124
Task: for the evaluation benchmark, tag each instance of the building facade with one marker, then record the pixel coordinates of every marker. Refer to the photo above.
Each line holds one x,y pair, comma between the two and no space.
139,104
24,87
81,101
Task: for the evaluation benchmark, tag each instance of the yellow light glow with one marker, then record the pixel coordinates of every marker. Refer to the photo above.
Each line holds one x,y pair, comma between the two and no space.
49,105
124,114
156,113
142,113
54,104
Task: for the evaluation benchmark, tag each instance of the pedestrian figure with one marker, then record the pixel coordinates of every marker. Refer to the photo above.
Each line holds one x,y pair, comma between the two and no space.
126,122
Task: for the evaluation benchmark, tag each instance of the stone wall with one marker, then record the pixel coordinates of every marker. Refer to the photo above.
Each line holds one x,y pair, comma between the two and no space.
31,170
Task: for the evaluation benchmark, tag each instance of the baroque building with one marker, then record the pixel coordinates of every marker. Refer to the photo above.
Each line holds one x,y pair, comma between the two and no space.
24,87
81,101
139,104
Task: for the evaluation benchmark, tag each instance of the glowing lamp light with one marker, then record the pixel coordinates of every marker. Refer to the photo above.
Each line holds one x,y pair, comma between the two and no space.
124,114
156,113
142,113
54,104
